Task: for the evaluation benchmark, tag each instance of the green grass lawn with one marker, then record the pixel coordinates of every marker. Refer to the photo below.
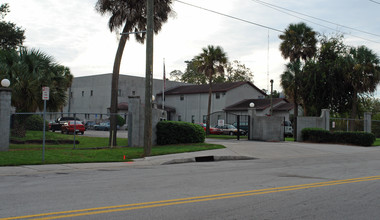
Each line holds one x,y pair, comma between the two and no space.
90,149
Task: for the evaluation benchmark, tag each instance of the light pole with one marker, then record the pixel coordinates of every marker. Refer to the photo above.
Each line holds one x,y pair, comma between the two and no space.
271,97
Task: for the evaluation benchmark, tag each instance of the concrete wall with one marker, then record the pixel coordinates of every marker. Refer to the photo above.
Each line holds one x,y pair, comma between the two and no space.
313,122
367,122
5,118
264,128
136,120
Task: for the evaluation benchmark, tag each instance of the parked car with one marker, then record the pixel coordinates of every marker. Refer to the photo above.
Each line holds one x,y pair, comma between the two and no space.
212,129
230,129
288,129
90,125
57,124
71,126
104,126
243,126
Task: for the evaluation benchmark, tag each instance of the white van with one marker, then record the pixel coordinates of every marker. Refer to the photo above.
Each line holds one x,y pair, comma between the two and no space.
288,129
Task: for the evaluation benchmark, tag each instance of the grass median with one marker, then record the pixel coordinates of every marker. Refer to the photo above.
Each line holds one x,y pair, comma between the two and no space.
89,150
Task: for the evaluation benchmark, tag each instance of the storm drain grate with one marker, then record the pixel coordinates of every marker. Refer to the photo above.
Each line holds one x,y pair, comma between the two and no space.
204,159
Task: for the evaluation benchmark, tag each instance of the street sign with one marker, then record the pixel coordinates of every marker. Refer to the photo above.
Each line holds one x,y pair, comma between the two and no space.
220,122
45,93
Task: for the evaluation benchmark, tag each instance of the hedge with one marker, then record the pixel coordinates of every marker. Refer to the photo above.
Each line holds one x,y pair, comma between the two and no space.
35,123
177,132
319,135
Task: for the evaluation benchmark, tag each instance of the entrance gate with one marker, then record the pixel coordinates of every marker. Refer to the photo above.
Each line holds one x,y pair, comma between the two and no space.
241,122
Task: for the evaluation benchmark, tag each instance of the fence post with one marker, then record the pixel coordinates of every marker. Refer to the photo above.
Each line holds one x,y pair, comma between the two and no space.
5,117
367,122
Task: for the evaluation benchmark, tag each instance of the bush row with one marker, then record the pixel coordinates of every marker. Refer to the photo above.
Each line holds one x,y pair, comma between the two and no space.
177,132
319,135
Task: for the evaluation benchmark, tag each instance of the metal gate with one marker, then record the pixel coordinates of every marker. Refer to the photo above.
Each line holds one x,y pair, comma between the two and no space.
241,122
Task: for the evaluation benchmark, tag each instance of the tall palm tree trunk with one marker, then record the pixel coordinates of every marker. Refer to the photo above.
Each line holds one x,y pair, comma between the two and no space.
115,88
295,105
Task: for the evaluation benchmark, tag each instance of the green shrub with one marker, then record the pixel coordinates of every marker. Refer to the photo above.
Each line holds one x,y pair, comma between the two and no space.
177,132
35,123
120,120
356,138
319,135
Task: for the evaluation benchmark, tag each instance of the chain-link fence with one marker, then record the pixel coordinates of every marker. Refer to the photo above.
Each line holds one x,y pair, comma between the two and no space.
70,124
348,124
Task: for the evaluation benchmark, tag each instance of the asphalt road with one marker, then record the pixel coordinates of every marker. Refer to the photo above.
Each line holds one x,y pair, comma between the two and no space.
93,133
336,186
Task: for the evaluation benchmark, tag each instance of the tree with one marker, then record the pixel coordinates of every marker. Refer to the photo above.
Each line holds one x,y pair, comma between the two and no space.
323,82
132,16
29,71
11,36
363,75
236,71
298,43
211,63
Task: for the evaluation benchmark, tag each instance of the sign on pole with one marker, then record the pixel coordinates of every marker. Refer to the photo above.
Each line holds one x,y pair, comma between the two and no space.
220,122
45,93
45,96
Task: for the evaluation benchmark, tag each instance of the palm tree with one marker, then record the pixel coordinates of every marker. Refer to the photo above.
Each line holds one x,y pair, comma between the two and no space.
28,71
364,74
211,62
298,43
132,16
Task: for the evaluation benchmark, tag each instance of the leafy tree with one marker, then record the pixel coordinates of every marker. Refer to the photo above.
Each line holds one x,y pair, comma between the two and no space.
211,63
298,43
236,71
323,78
130,16
11,36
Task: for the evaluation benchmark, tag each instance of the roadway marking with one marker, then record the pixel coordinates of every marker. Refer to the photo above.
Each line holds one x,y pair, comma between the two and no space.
144,205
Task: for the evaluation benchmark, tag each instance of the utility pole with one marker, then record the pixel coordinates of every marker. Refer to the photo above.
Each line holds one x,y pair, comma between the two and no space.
149,79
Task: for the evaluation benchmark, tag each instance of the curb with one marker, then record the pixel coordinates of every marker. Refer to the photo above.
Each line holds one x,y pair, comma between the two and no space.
206,159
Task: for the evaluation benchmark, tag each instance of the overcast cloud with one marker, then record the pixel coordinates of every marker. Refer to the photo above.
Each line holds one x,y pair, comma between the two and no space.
78,37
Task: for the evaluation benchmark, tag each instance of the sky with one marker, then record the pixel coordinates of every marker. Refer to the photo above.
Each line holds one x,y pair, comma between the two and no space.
78,37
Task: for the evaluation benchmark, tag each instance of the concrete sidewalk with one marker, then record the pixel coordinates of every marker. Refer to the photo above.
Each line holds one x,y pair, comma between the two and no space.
235,150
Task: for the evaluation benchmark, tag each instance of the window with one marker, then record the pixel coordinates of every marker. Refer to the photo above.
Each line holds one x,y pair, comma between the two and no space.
179,118
82,93
192,118
182,97
204,118
217,95
119,92
133,92
92,93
